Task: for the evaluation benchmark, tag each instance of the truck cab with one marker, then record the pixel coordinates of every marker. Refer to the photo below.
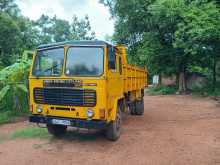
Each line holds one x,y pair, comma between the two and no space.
79,84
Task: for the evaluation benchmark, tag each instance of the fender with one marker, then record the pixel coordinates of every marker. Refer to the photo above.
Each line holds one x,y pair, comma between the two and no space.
115,107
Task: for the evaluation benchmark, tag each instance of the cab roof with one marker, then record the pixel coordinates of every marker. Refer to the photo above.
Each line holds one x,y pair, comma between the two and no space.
75,43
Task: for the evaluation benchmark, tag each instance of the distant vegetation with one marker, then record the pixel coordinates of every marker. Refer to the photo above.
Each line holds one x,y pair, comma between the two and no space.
19,33
171,37
161,90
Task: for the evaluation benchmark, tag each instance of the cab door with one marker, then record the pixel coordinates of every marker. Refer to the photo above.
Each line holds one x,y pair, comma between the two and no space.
114,77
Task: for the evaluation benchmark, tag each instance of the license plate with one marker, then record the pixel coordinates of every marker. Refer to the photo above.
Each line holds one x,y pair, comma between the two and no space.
60,122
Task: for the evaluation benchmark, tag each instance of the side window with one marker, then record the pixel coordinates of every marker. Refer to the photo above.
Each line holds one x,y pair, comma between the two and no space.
120,65
111,58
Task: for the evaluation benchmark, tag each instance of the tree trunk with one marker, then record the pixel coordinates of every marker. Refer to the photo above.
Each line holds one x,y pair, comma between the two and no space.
160,80
214,75
177,79
182,81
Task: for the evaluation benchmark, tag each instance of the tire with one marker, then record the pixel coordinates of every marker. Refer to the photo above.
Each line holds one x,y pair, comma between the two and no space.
132,108
113,130
139,107
56,130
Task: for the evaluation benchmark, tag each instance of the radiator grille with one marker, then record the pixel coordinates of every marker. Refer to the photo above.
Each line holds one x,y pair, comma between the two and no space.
65,96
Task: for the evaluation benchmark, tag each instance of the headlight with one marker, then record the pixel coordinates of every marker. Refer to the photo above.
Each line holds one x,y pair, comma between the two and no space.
39,109
90,113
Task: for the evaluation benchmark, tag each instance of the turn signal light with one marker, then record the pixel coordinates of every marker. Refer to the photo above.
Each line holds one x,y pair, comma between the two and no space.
102,113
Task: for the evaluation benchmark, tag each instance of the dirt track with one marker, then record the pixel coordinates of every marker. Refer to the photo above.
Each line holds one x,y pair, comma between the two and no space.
175,130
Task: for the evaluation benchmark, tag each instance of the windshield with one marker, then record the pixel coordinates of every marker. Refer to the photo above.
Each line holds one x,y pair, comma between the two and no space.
84,61
48,62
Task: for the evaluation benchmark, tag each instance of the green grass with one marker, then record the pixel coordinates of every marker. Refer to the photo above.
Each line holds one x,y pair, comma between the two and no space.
9,116
161,90
31,132
42,133
5,117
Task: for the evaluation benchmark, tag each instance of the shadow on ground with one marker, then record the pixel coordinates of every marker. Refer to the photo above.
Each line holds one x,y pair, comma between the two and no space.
74,134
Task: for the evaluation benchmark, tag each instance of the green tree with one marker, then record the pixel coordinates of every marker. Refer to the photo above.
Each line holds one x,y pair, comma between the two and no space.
19,33
81,29
199,35
165,16
44,26
10,36
169,36
60,30
56,30
9,7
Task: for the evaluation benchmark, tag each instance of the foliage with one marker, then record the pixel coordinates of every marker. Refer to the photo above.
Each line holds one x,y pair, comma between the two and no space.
10,34
13,90
10,116
162,90
57,30
207,91
169,36
31,132
5,117
81,29
19,33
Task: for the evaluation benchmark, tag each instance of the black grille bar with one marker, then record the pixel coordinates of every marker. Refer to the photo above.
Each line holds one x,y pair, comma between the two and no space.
65,96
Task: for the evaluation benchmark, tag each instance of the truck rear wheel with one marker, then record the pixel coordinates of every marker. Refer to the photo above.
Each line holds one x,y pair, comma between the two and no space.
56,130
113,131
132,108
139,106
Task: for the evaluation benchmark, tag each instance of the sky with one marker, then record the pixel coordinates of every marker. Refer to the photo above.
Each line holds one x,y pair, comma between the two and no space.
99,16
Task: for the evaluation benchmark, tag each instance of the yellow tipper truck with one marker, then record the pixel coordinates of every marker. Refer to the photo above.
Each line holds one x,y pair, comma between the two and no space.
85,84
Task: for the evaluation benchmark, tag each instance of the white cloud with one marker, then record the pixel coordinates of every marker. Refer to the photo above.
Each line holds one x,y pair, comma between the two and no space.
99,15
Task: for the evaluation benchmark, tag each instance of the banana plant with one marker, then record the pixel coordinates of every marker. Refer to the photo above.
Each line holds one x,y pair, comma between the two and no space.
13,80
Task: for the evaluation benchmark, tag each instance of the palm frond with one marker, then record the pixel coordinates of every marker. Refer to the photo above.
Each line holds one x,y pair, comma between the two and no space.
22,87
4,91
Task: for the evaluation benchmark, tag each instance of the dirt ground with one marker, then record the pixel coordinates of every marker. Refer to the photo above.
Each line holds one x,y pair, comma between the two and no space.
175,130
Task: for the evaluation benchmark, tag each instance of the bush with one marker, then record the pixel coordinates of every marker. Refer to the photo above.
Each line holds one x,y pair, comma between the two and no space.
13,89
162,90
9,116
206,91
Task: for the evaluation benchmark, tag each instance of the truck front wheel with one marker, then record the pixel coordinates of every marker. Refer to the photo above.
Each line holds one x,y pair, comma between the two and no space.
56,130
113,131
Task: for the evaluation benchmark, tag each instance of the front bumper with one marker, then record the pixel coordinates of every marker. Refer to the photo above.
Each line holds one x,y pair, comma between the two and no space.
94,124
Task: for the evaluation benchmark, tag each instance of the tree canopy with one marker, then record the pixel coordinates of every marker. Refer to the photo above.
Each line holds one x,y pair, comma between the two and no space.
19,33
169,36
